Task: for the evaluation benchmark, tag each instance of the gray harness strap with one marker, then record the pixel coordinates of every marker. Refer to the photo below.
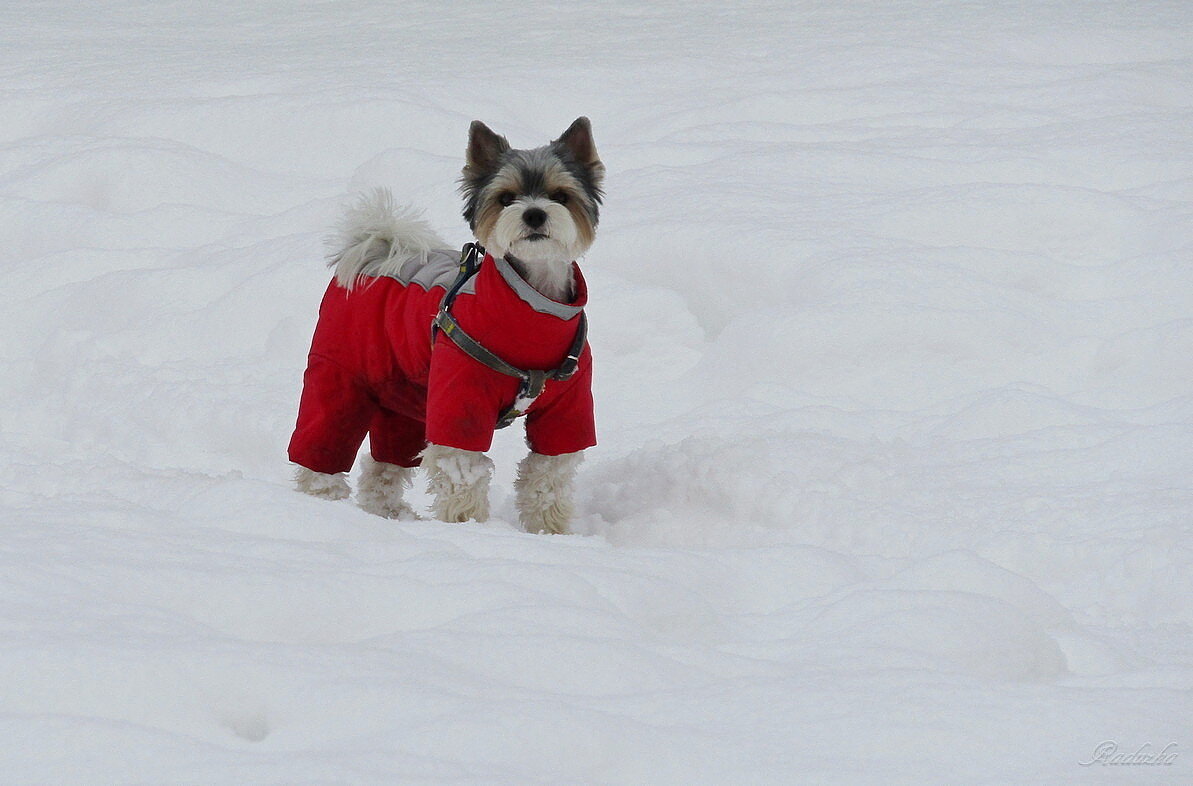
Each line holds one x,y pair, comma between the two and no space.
533,381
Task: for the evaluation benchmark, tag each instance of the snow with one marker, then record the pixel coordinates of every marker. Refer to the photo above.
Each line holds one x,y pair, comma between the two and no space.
892,313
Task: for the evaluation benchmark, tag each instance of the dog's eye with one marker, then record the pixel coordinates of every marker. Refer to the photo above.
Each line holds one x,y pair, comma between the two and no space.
560,196
507,198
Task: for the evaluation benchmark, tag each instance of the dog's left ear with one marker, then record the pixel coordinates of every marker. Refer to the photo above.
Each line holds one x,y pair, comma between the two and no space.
577,140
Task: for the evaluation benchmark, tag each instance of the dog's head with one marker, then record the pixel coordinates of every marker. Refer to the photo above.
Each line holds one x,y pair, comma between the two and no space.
539,205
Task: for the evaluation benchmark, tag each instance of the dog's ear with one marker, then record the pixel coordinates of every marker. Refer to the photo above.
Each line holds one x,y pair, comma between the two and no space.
578,141
485,149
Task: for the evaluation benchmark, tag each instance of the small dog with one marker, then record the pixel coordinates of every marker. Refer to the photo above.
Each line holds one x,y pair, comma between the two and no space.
435,398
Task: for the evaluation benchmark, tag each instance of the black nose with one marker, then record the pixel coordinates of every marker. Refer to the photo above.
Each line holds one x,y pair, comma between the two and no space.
535,217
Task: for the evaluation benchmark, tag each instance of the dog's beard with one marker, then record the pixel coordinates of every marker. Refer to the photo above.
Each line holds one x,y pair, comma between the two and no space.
542,255
557,240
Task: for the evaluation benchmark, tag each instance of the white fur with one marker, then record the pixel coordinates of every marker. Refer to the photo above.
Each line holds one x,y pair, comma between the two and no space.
320,484
548,261
376,237
554,278
459,480
380,487
544,491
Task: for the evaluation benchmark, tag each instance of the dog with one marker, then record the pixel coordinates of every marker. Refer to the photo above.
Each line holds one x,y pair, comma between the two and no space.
425,351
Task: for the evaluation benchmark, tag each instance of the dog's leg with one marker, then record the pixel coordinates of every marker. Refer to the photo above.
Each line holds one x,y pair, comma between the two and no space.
322,485
379,489
459,479
544,491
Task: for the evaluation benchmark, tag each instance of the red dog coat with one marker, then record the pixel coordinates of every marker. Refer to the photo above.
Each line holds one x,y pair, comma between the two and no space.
372,370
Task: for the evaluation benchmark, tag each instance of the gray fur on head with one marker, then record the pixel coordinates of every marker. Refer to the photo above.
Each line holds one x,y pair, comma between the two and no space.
488,153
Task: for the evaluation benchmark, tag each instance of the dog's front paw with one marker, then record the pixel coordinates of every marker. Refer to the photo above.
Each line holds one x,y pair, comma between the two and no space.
459,481
321,485
544,492
556,521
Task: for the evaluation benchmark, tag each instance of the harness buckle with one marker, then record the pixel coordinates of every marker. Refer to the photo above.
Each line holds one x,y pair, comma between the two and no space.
567,367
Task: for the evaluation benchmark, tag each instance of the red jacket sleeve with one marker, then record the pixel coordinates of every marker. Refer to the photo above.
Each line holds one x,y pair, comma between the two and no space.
464,399
564,423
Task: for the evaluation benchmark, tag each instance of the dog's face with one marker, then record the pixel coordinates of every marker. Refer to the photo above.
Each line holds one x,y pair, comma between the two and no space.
539,205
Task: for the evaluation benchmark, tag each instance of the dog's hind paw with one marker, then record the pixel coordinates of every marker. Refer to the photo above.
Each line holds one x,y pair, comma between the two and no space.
321,485
387,509
379,490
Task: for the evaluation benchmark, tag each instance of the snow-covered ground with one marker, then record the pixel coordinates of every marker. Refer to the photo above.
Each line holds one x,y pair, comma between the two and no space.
892,308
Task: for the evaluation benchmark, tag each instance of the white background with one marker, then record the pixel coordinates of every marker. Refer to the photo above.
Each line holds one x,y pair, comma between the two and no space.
892,311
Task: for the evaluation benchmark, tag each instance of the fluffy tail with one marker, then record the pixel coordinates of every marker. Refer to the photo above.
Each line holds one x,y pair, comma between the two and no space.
375,238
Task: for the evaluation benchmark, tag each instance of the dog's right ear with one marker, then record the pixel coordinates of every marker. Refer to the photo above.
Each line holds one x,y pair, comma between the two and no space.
578,140
485,149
